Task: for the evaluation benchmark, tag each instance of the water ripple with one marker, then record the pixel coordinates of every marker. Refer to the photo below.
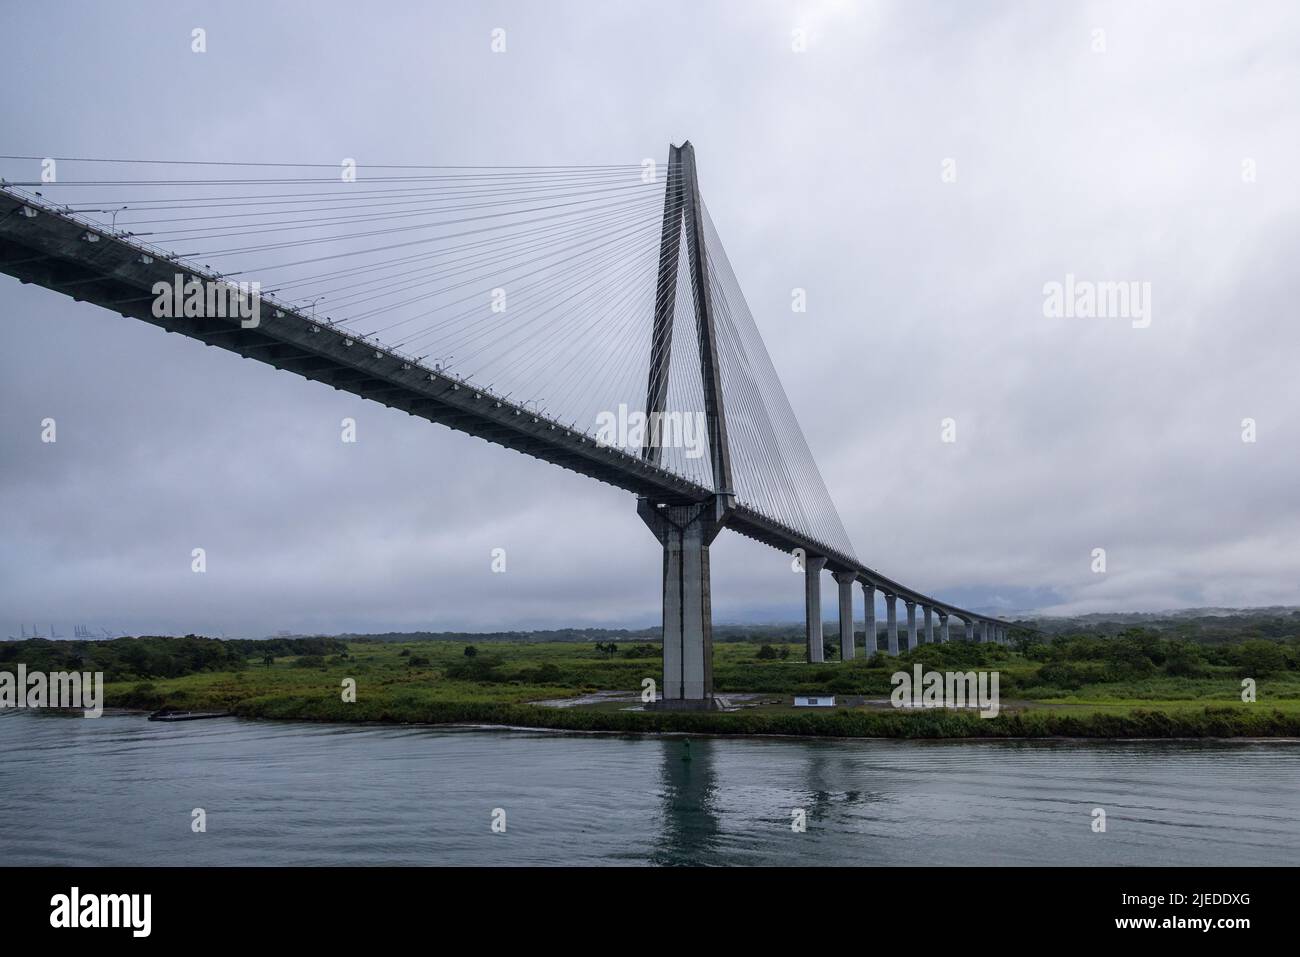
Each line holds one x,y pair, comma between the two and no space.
120,790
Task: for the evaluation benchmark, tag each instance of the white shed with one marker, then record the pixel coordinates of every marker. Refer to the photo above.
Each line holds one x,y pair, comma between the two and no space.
814,701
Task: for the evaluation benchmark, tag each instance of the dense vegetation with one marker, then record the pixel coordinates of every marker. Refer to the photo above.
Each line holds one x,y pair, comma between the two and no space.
1142,681
123,659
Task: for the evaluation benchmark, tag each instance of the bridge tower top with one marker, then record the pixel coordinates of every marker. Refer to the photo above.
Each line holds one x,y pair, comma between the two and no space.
683,216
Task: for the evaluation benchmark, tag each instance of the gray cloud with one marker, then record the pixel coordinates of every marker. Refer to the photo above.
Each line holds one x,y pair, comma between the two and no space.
821,171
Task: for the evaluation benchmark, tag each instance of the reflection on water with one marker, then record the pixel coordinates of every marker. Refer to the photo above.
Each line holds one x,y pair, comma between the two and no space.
690,830
120,790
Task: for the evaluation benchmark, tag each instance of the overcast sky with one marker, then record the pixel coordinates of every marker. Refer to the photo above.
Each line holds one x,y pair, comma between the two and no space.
1169,157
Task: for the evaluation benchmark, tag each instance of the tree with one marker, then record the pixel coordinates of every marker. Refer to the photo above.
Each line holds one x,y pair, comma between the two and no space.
1257,659
267,659
470,651
1183,661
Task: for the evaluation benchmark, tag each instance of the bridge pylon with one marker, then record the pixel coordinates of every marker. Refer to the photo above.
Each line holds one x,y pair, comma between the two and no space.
686,530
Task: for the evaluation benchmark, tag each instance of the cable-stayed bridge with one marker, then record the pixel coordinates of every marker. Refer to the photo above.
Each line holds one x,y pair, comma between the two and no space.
584,315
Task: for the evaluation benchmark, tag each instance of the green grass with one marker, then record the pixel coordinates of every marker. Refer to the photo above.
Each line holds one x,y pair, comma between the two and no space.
512,674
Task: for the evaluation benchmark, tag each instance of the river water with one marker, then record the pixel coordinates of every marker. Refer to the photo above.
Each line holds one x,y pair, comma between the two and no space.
122,790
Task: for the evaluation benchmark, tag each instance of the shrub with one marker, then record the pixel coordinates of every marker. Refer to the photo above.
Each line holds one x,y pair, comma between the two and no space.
544,674
1183,661
643,651
484,668
1069,676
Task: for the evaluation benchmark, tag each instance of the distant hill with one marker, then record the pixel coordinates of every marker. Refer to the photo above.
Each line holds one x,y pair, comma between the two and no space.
1197,624
732,632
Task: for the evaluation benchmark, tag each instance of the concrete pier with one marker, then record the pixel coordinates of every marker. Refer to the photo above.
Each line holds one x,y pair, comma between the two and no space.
929,625
845,580
685,532
970,630
812,603
911,625
869,595
891,623
943,628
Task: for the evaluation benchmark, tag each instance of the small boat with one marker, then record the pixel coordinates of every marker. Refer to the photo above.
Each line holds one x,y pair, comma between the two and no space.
171,714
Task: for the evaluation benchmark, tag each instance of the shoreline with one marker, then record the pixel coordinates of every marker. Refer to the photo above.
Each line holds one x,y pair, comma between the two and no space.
745,735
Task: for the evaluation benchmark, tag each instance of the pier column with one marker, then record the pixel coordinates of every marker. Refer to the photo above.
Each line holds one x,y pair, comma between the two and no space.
911,625
891,623
943,628
970,630
845,580
685,531
869,594
812,605
929,625
982,630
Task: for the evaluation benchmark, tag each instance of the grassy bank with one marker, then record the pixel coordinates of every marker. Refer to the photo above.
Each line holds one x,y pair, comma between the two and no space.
437,682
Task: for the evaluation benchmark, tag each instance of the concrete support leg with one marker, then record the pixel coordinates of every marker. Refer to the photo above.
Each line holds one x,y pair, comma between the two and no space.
869,595
685,533
891,623
812,603
929,625
982,631
845,580
911,625
943,629
970,630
